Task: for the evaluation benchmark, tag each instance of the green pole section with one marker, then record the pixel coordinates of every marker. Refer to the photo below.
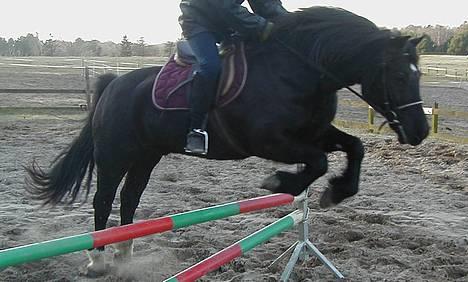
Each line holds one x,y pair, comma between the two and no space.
266,233
204,215
46,249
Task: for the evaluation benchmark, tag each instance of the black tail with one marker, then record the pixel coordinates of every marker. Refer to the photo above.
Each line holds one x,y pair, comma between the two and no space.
72,165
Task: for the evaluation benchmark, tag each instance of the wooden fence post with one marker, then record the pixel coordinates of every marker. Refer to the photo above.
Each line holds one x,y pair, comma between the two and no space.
435,118
88,88
370,118
83,67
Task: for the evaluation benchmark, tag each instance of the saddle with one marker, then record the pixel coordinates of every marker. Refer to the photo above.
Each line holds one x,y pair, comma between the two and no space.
172,86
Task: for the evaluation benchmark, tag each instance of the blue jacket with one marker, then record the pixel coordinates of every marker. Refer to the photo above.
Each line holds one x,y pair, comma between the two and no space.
223,17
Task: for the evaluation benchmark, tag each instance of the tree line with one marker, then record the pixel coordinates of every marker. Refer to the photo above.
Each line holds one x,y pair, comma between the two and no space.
438,40
32,45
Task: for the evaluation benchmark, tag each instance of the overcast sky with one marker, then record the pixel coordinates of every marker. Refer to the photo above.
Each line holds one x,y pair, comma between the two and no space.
156,20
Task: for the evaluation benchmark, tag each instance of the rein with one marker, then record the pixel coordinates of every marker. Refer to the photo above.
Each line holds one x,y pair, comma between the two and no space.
390,115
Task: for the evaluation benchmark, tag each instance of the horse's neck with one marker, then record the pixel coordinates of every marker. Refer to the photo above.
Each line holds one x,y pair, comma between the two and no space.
349,70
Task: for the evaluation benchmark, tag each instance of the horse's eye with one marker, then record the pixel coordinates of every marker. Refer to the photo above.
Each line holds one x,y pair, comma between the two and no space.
401,78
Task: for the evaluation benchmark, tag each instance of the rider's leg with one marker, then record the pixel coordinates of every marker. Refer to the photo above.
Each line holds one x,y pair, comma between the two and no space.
204,89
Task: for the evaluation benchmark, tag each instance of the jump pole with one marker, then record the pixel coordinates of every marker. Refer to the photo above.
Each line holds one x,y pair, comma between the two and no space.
300,250
37,251
237,249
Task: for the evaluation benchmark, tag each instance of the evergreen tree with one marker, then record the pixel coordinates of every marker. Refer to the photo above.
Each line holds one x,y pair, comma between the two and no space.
77,47
28,45
427,45
95,49
3,47
458,45
140,47
125,47
169,48
11,47
49,47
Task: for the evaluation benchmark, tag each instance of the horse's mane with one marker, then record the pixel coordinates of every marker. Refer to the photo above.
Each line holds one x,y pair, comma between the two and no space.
327,33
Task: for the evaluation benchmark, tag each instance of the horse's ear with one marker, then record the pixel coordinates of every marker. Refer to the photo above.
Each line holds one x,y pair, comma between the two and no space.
398,42
417,40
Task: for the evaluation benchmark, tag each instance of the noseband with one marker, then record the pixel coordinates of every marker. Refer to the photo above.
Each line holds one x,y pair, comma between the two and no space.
387,112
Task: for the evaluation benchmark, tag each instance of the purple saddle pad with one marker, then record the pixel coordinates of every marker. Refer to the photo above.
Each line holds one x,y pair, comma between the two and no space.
173,84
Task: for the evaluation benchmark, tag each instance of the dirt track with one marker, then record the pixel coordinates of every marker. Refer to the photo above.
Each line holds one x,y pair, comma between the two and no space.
409,222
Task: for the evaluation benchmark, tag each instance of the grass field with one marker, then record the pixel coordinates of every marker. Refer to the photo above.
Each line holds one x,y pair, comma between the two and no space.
445,67
75,65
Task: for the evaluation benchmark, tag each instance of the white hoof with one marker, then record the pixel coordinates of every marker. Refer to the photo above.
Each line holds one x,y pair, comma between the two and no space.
123,251
96,265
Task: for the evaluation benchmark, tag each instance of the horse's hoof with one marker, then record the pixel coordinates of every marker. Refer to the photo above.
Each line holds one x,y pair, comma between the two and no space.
340,189
284,182
271,183
326,200
96,266
89,272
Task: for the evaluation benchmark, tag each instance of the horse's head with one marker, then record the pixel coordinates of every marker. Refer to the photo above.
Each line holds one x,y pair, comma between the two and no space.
393,89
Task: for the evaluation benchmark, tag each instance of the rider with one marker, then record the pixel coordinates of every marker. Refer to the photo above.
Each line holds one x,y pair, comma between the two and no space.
205,23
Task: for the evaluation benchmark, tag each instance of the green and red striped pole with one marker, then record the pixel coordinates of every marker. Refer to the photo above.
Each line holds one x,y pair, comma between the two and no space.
238,249
28,253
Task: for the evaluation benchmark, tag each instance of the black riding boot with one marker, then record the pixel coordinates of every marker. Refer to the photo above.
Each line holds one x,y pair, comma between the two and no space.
203,94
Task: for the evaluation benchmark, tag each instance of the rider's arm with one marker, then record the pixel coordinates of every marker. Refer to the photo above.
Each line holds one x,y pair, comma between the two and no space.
268,8
239,17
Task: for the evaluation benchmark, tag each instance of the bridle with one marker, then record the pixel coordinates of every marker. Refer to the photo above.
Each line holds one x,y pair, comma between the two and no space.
389,113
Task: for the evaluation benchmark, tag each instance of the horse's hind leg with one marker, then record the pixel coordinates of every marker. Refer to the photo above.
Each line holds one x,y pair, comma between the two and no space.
347,184
135,183
108,179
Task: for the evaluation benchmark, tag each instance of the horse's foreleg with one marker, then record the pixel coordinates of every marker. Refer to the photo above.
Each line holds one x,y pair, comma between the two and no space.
347,184
135,183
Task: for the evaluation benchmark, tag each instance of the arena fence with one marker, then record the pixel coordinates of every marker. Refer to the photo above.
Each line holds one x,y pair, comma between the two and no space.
33,252
433,112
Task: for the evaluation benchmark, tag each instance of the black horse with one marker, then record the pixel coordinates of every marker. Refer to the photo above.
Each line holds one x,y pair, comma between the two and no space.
284,114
